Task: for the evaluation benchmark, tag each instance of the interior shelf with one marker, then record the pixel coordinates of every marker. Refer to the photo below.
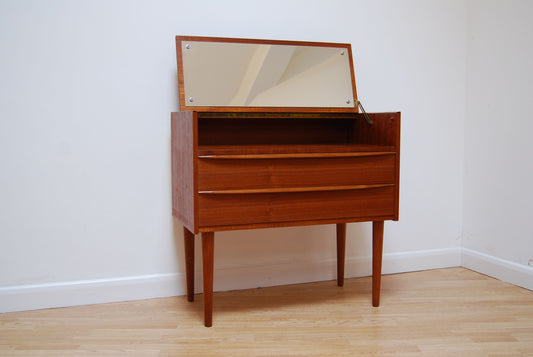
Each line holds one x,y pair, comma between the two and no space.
292,151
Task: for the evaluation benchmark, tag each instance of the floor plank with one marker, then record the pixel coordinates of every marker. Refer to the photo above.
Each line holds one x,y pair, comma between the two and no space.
446,312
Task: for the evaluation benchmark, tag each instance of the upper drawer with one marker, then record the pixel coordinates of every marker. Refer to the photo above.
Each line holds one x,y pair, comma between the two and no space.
227,174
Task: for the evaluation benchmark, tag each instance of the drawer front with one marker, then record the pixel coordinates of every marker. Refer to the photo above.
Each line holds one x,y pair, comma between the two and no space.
242,209
220,174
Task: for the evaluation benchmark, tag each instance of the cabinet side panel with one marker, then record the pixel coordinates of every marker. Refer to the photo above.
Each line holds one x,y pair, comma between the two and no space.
184,148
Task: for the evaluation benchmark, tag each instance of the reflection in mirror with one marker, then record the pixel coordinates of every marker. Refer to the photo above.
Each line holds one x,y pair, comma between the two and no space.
263,75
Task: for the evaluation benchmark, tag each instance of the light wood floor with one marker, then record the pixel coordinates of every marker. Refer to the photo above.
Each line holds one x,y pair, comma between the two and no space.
443,312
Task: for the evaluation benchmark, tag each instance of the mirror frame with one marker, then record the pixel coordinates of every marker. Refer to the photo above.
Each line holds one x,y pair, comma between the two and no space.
183,104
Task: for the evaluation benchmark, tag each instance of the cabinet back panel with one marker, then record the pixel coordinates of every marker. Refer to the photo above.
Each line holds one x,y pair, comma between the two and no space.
273,131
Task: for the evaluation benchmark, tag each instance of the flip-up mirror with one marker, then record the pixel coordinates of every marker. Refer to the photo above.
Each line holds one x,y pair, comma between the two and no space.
224,74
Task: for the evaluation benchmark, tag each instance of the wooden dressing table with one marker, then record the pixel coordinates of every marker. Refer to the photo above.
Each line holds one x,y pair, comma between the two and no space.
270,135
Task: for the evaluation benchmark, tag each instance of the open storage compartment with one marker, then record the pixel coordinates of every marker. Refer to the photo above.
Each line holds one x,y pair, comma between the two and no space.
262,169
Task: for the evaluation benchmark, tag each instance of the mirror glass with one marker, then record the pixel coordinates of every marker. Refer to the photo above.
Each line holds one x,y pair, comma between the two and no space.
265,75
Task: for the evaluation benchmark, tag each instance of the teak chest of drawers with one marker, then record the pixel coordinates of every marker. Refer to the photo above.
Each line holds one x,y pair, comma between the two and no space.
243,167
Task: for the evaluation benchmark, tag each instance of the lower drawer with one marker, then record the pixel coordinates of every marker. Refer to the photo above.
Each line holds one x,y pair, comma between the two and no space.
243,209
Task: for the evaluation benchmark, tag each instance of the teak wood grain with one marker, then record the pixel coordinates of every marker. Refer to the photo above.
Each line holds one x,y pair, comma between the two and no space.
237,209
229,177
188,239
341,252
193,173
208,253
184,143
270,130
377,255
292,151
295,172
259,167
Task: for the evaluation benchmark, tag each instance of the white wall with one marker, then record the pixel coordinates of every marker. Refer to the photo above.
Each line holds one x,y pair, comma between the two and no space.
85,94
498,200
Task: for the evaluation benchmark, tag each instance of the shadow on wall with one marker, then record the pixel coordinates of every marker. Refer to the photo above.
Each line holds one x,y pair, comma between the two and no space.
271,250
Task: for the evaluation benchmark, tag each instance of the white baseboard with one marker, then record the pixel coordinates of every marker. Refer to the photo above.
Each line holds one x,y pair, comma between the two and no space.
516,274
294,273
86,292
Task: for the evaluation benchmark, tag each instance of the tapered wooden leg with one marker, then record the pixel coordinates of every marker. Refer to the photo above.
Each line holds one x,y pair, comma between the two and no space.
188,238
377,254
208,248
341,252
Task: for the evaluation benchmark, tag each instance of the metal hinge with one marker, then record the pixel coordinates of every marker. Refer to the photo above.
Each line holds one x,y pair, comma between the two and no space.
367,118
